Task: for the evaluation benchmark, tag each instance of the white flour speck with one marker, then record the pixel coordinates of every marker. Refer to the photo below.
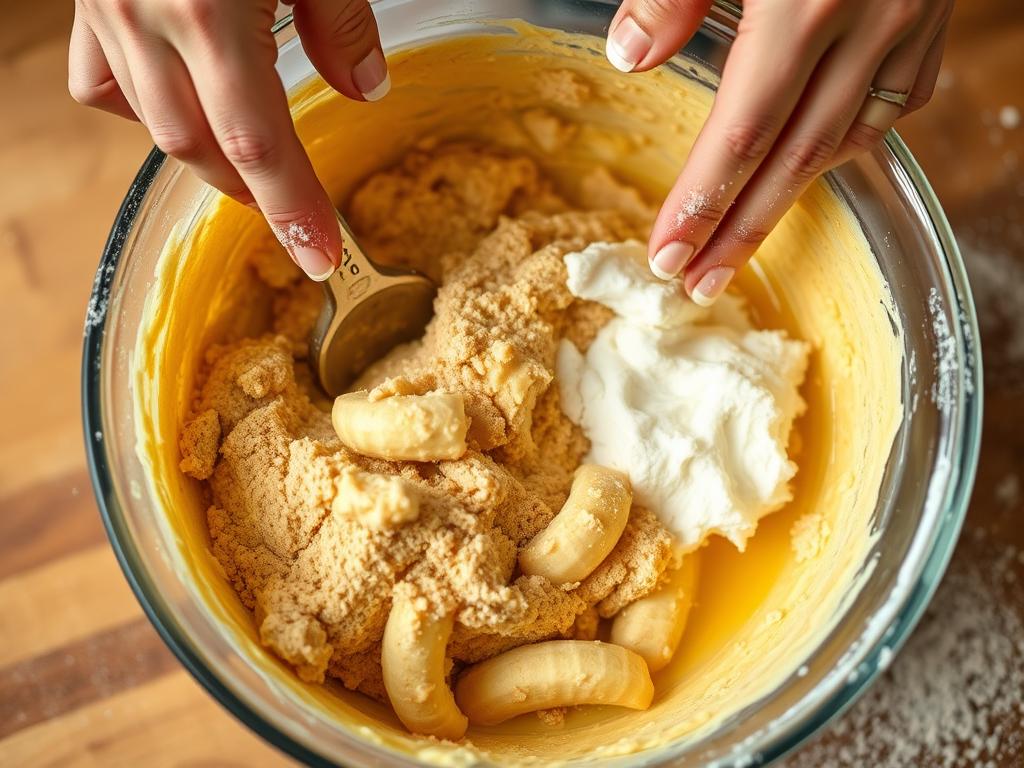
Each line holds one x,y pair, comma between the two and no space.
297,234
885,657
944,387
693,204
1008,491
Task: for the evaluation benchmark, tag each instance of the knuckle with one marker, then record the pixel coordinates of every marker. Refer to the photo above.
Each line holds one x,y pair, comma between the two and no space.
825,8
124,11
177,142
818,15
749,142
749,234
904,14
85,94
863,136
353,24
283,218
92,94
809,156
658,12
246,148
196,13
189,17
698,210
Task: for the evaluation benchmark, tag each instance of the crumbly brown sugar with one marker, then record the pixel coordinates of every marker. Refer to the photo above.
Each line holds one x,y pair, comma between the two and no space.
290,521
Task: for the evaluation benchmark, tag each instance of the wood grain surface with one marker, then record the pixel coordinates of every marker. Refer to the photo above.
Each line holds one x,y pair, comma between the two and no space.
84,679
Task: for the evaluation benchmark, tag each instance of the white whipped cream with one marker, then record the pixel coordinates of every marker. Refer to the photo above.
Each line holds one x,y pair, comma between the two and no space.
694,404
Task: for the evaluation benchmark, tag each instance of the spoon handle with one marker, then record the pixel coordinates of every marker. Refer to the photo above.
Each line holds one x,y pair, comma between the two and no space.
355,276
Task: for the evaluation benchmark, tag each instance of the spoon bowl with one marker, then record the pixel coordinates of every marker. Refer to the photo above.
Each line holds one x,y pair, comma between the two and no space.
368,310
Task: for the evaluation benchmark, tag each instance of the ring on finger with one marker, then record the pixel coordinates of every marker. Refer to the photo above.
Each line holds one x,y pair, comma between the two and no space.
882,108
899,98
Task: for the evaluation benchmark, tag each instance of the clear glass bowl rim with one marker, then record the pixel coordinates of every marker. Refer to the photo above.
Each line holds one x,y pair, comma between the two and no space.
788,735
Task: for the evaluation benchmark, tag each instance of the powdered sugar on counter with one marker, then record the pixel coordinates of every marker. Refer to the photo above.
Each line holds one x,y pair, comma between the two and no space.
694,404
952,699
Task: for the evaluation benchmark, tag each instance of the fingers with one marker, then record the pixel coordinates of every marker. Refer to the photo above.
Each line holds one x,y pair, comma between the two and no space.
90,79
835,113
773,129
247,110
802,152
924,86
646,33
741,129
340,37
171,112
911,68
209,93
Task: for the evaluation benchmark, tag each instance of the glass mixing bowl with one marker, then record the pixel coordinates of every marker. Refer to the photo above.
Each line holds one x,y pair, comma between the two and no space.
921,503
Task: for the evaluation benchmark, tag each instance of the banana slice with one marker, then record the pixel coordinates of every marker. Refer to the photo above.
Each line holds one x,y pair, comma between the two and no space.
558,673
653,625
586,529
428,427
413,663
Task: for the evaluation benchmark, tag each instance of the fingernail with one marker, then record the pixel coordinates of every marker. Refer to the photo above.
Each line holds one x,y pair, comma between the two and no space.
371,76
627,45
313,262
711,286
670,259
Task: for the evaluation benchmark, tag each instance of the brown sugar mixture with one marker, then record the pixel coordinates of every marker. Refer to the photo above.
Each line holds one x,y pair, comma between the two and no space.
315,537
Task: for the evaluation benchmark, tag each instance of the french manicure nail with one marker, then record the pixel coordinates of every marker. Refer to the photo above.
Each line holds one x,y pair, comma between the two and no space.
627,45
670,259
313,262
711,286
371,76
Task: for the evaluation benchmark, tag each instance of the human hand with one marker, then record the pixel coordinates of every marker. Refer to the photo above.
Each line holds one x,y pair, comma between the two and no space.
793,103
200,75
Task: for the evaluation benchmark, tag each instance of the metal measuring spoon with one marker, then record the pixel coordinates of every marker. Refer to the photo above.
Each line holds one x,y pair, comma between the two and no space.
368,309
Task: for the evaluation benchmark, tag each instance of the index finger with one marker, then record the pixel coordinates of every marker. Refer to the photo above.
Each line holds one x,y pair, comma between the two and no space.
247,109
743,125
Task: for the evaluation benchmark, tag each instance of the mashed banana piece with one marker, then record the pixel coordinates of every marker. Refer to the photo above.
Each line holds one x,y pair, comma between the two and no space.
319,572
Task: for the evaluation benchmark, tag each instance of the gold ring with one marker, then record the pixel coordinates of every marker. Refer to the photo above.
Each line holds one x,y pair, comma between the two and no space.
899,98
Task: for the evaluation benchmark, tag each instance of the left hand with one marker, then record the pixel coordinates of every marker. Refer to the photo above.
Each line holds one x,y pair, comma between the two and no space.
793,102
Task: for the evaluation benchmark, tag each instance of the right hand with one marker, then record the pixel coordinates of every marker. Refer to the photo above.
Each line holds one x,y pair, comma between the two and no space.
199,74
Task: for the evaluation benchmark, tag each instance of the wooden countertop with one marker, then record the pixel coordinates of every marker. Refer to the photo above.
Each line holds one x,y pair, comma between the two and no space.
84,679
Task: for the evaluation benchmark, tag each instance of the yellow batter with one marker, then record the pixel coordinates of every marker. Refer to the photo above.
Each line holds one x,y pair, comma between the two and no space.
757,614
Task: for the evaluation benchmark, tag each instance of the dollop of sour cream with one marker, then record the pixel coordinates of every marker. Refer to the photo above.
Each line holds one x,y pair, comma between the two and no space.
694,404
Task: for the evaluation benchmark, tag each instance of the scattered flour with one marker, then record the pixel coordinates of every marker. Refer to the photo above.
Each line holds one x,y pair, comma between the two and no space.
953,697
1008,491
695,203
944,387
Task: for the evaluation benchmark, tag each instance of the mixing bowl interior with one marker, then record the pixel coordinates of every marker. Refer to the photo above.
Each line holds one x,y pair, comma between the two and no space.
777,643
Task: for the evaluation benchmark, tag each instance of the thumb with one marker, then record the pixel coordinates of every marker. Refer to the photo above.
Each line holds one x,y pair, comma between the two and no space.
340,37
646,33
